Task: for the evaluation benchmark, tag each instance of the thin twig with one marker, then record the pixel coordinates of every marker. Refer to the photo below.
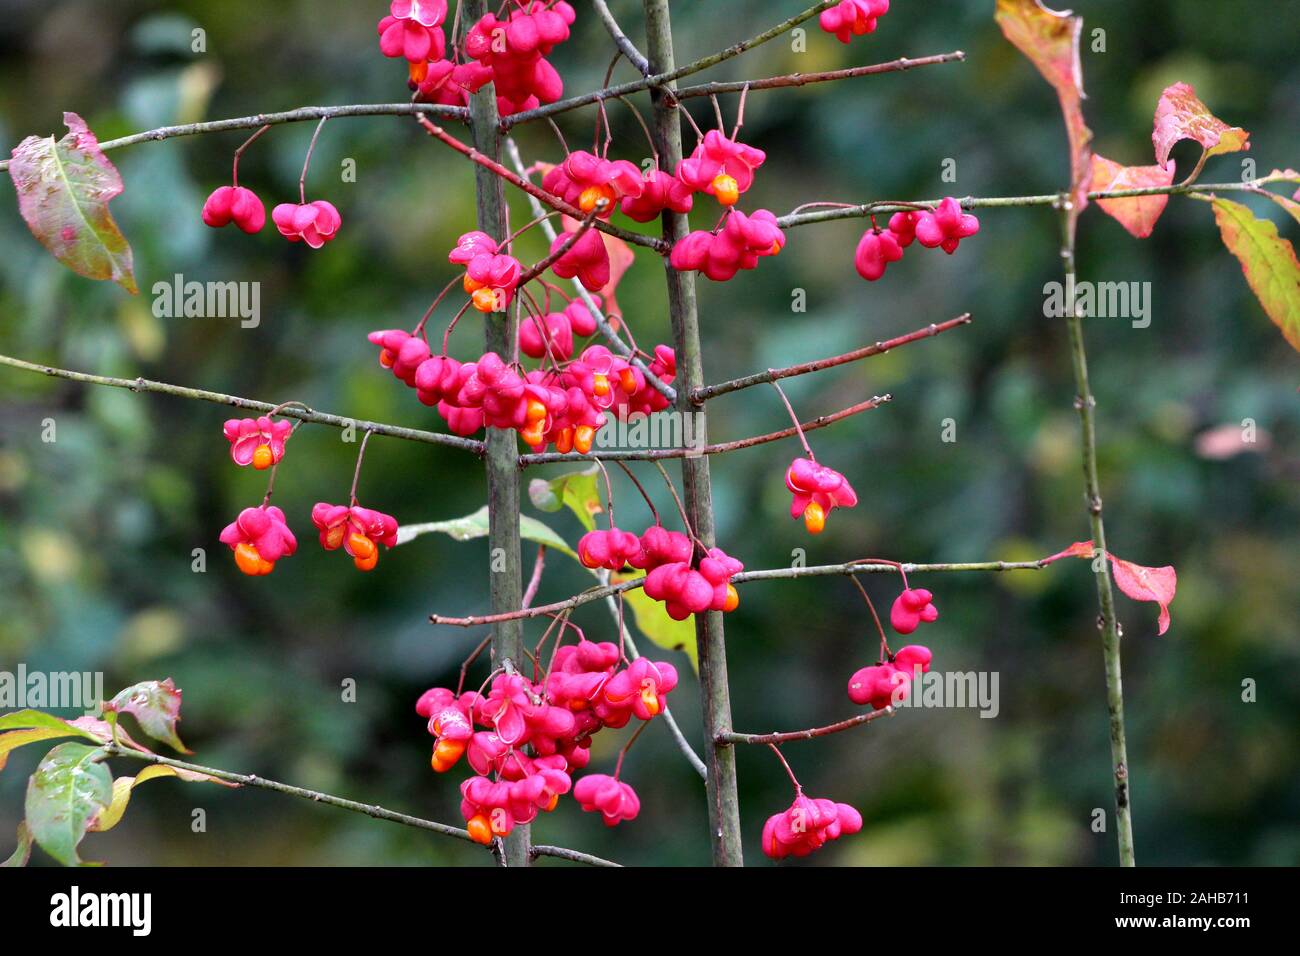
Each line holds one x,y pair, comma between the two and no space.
629,50
823,570
300,115
804,79
218,398
555,202
999,202
535,581
661,79
661,454
573,856
252,780
809,734
701,395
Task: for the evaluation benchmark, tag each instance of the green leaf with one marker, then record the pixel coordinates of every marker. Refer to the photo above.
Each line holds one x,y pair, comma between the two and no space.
475,525
157,707
579,490
34,725
68,789
1268,261
23,853
653,621
64,189
111,815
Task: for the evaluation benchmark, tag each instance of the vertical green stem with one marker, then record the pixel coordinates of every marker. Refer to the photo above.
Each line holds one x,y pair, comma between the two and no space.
720,758
1086,405
505,575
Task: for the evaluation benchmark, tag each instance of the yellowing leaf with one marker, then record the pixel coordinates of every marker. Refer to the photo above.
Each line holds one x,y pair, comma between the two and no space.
1180,115
64,189
1051,42
14,739
1268,262
23,853
111,815
1137,214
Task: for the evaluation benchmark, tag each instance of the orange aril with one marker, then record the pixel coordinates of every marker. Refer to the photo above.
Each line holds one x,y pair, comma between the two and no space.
733,599
725,189
249,561
814,518
359,546
592,195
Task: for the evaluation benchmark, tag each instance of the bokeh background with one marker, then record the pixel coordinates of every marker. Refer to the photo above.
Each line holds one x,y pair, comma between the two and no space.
97,529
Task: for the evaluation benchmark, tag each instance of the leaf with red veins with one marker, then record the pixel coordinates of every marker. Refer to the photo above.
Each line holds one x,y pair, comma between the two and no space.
1137,214
157,707
1147,584
1051,42
1268,262
64,189
1180,115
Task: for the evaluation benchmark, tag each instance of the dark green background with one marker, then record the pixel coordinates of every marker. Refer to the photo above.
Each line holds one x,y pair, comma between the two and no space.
96,530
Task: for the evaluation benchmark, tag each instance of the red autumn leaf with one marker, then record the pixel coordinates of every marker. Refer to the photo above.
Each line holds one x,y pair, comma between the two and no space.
1147,584
1138,582
1051,42
156,705
1137,214
64,189
1180,115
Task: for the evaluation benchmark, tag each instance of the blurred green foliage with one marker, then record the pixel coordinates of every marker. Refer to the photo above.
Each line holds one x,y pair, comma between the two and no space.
97,528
